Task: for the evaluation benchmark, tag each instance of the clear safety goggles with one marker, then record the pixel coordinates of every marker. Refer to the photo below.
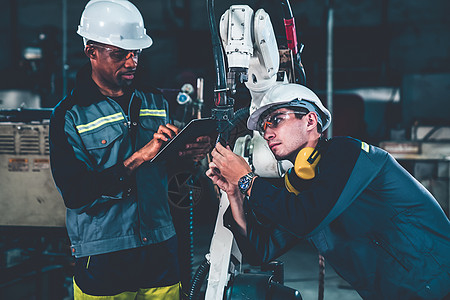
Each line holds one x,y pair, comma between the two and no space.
274,119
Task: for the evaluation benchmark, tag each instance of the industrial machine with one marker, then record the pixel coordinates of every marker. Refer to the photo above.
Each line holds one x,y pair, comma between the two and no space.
253,59
25,162
33,245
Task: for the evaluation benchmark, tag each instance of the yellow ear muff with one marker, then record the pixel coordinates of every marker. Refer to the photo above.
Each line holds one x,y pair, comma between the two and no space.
306,162
304,168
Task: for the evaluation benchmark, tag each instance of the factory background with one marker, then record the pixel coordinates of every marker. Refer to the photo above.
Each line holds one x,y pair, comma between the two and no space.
391,87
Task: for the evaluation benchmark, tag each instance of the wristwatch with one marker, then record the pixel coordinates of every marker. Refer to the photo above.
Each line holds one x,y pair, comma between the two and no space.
245,182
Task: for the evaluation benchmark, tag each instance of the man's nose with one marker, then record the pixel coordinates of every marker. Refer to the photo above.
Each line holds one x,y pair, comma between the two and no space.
131,61
268,134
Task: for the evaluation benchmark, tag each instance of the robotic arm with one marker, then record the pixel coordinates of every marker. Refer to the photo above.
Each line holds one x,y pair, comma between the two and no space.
251,49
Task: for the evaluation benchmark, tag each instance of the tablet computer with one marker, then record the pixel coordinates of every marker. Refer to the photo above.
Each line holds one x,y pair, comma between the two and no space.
194,129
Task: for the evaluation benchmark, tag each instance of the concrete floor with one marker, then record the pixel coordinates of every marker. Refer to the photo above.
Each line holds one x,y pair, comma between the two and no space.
301,269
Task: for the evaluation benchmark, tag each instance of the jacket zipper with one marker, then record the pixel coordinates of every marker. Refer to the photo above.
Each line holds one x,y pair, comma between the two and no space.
128,121
126,115
129,118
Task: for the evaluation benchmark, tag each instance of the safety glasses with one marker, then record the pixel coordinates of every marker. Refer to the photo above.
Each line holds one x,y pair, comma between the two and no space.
120,54
275,119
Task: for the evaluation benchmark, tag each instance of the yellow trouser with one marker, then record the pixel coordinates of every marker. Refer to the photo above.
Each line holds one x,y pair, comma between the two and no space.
158,293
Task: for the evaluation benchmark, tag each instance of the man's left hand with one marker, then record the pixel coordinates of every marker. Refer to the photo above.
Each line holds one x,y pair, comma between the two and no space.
197,151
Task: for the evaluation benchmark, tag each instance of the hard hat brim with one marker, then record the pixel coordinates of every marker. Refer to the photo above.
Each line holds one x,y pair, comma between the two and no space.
127,44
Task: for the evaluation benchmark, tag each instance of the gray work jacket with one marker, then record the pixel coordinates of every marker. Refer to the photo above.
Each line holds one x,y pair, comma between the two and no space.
89,140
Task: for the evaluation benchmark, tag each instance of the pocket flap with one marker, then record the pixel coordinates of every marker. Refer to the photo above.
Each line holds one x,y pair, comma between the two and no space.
101,138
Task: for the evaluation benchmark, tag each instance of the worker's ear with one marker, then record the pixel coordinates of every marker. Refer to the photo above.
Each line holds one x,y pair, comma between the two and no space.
311,118
90,51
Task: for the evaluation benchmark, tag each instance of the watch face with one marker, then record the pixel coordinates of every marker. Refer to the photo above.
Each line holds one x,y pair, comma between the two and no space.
244,182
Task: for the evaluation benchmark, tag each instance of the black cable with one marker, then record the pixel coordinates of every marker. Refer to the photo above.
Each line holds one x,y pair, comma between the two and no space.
198,280
219,61
223,112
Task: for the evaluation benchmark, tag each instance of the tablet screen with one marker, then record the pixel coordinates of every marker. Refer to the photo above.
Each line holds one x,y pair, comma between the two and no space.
194,129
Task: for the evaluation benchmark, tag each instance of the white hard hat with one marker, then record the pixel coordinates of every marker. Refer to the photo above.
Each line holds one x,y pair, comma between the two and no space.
291,95
114,22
